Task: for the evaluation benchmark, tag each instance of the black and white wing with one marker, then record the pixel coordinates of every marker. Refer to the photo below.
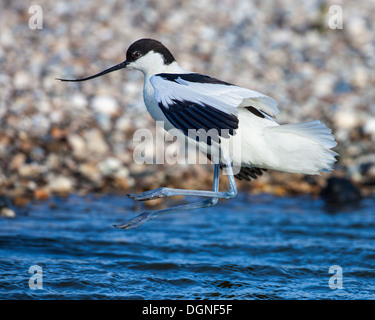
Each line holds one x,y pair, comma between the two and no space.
195,101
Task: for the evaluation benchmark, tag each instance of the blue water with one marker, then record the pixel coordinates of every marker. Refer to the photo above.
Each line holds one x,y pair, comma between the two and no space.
253,247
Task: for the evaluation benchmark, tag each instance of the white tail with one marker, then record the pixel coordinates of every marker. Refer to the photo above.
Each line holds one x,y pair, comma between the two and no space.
301,147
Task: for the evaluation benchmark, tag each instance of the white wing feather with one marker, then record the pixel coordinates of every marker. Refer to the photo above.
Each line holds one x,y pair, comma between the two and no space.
226,98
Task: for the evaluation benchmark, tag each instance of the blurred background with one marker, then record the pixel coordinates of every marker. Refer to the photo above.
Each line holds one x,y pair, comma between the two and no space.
63,138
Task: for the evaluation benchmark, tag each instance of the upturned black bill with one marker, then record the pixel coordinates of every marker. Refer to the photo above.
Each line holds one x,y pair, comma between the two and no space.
114,68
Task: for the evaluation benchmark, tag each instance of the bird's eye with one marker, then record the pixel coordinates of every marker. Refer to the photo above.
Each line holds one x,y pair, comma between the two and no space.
136,54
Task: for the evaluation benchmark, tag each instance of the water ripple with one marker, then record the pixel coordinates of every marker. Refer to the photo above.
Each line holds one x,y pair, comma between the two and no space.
275,248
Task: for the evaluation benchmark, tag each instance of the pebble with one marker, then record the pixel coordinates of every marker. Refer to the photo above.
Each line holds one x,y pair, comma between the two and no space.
90,171
41,194
60,184
7,213
30,170
95,142
369,127
79,101
78,146
105,105
109,166
340,192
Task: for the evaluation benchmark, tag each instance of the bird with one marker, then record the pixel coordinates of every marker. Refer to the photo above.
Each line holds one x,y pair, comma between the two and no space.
237,127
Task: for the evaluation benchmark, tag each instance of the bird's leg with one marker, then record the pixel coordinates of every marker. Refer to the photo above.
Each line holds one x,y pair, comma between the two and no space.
167,192
214,197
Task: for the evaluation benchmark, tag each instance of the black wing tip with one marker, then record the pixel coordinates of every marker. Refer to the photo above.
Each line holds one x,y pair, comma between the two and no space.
249,173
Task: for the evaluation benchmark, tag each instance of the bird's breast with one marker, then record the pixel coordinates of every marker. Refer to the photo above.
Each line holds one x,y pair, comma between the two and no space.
152,105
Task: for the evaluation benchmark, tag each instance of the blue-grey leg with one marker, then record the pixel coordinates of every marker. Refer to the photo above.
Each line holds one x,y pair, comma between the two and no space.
213,195
167,192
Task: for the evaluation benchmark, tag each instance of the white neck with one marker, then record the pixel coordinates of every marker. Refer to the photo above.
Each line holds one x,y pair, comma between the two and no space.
152,63
174,67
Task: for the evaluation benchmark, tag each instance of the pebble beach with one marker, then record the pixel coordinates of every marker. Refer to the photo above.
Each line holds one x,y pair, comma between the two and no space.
59,138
